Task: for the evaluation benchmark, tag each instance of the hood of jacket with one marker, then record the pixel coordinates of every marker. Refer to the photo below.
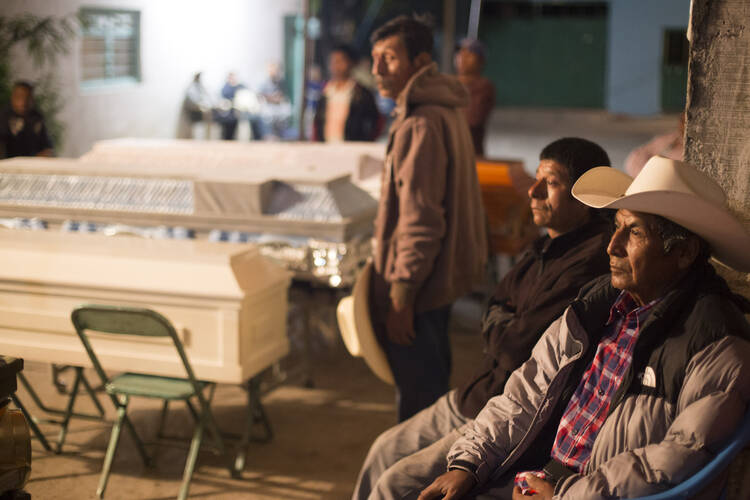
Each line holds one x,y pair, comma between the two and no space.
428,86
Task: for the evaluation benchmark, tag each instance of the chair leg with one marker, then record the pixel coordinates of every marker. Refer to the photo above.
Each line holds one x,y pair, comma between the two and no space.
163,418
32,423
54,411
91,393
111,448
68,411
59,384
194,413
138,442
205,402
195,446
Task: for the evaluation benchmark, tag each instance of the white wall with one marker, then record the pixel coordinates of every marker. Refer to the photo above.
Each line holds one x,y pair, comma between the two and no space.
178,38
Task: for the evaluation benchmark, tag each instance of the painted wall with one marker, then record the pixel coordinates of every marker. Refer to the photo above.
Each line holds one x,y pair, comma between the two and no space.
635,52
178,38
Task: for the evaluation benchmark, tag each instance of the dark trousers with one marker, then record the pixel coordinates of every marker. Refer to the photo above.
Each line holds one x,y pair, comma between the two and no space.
422,370
229,129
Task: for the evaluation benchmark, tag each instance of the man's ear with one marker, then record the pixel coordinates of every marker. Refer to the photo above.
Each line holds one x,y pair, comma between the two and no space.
422,60
687,253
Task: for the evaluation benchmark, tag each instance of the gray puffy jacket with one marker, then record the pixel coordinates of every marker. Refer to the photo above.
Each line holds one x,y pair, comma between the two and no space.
683,396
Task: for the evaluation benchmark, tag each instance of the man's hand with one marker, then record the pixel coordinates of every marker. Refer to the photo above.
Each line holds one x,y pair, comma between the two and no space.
544,489
400,323
450,486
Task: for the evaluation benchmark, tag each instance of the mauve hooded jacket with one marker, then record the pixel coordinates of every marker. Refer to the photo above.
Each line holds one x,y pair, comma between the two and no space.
430,243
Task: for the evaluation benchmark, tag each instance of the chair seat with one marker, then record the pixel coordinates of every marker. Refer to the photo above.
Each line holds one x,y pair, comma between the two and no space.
152,386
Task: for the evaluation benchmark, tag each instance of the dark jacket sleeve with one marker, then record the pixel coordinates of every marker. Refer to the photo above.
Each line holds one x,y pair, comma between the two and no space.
512,341
372,123
319,120
511,334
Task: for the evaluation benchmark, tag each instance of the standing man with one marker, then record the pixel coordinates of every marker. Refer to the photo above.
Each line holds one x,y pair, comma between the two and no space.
430,245
346,110
22,128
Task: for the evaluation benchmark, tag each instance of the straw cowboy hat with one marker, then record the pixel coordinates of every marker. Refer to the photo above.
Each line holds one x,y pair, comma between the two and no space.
353,313
677,191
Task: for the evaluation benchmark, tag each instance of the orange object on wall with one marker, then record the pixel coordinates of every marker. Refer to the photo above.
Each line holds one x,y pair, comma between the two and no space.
504,185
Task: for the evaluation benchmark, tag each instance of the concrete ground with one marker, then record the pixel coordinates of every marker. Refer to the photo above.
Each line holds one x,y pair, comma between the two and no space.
321,433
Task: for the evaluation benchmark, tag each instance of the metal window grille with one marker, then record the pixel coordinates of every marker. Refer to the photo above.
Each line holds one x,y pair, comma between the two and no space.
110,46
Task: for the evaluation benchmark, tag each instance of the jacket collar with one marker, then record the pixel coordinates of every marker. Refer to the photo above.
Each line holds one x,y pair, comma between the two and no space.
402,101
556,246
594,305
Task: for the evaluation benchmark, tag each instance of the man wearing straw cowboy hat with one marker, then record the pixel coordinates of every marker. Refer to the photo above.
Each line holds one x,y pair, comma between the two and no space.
644,375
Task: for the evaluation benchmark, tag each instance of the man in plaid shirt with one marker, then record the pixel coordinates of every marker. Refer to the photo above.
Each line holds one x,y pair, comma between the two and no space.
588,407
641,381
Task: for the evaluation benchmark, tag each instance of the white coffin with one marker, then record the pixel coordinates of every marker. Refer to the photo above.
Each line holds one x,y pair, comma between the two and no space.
227,302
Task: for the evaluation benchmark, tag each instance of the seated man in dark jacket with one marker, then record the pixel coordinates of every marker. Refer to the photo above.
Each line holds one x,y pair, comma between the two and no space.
535,291
22,128
642,378
346,110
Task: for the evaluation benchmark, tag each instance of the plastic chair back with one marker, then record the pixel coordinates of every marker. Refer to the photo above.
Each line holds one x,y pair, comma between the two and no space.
701,479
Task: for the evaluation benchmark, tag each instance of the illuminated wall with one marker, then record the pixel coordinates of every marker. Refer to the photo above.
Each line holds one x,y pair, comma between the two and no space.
178,38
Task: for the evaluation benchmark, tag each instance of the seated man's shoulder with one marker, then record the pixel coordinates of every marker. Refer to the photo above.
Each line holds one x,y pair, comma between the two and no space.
723,314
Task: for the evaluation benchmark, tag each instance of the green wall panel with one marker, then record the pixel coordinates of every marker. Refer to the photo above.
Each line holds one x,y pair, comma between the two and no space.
547,61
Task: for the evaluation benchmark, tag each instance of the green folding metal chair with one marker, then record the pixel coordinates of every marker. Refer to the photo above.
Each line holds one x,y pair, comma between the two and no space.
136,321
67,413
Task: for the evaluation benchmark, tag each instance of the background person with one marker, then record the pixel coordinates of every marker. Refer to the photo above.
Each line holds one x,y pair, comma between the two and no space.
469,62
22,128
225,114
196,108
346,110
273,119
670,145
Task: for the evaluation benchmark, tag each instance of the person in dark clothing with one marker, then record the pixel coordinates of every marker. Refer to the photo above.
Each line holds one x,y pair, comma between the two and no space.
226,115
346,110
22,128
536,291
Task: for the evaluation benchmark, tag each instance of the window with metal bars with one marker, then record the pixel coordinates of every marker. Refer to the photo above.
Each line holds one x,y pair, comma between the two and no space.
110,46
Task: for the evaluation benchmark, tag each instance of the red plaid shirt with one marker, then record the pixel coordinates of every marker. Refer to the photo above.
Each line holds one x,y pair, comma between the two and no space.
588,408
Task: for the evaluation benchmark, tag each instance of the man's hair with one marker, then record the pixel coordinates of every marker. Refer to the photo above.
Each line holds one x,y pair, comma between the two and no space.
576,155
24,84
672,234
415,31
347,50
